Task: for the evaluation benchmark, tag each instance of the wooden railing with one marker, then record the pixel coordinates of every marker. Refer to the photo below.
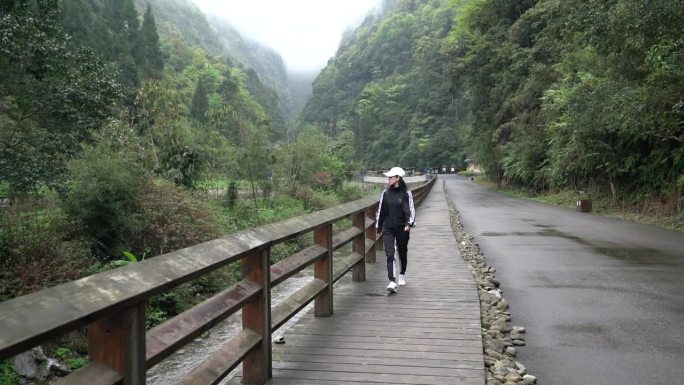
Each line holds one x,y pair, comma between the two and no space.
112,303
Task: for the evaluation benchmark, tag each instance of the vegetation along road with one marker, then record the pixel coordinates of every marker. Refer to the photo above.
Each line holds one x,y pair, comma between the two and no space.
600,297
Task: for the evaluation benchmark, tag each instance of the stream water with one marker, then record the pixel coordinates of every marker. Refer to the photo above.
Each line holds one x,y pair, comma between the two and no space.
171,370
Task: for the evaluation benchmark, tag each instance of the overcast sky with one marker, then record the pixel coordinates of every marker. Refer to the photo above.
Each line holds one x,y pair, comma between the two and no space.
305,33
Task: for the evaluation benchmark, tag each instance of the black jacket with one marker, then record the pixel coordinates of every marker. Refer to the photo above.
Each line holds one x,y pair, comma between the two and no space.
395,210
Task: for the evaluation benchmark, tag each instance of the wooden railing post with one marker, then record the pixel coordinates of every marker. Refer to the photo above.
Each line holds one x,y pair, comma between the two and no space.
359,247
371,234
323,270
256,315
119,342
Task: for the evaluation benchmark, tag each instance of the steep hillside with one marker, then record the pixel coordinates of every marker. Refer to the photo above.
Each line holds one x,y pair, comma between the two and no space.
299,84
389,85
542,94
264,61
183,19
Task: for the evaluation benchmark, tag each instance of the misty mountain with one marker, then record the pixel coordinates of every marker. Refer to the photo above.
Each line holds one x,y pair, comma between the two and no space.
264,61
300,86
183,19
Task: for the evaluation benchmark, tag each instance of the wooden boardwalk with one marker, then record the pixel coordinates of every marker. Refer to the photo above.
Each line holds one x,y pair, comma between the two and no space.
427,333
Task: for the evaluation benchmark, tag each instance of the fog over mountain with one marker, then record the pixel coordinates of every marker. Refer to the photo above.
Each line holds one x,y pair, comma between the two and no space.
306,33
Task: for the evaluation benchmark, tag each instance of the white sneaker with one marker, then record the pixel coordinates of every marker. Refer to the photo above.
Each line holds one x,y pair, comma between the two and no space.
402,280
392,287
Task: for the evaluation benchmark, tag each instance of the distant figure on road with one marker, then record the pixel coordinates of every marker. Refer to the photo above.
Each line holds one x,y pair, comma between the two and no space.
396,215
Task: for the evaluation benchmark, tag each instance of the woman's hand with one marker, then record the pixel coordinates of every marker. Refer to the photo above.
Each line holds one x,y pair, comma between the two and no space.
407,228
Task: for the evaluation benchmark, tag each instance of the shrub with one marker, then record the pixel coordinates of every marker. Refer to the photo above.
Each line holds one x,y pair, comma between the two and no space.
349,192
7,374
266,189
76,363
322,180
231,195
4,190
72,359
39,248
103,194
171,219
313,200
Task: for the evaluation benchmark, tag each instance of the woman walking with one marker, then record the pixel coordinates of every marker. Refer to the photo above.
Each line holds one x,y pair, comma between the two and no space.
396,215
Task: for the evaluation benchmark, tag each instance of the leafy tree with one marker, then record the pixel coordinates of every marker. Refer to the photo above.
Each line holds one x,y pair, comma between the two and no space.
173,148
103,194
342,147
573,94
251,153
297,162
52,97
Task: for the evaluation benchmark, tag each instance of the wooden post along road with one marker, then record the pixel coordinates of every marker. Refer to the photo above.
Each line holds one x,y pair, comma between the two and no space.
427,333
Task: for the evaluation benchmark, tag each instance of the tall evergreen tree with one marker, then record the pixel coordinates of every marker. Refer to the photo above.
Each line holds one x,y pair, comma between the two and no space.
149,55
76,18
122,20
200,102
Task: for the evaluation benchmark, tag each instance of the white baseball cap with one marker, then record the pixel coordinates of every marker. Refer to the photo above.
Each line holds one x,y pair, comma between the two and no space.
395,171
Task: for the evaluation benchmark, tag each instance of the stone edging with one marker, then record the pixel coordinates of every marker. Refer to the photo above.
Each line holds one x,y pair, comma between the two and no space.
499,338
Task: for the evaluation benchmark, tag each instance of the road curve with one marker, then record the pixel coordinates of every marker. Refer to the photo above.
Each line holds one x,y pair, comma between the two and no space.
601,298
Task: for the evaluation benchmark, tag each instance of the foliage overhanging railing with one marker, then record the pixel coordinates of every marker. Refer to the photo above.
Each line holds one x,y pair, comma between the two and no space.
112,304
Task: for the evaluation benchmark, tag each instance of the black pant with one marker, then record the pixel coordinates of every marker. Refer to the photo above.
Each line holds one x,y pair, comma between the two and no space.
401,238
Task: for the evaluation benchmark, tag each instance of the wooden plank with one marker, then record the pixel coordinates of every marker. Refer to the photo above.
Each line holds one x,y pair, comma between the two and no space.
461,363
223,360
359,247
323,270
168,337
343,264
295,263
295,302
119,342
462,347
94,373
373,378
371,234
466,355
364,330
370,247
435,339
256,316
286,381
294,227
344,237
411,369
295,353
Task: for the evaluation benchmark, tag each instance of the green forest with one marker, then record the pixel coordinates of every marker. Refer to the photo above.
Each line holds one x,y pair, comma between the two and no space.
544,96
127,133
129,129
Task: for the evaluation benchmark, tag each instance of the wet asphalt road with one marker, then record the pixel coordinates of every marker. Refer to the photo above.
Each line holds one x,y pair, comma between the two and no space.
602,299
